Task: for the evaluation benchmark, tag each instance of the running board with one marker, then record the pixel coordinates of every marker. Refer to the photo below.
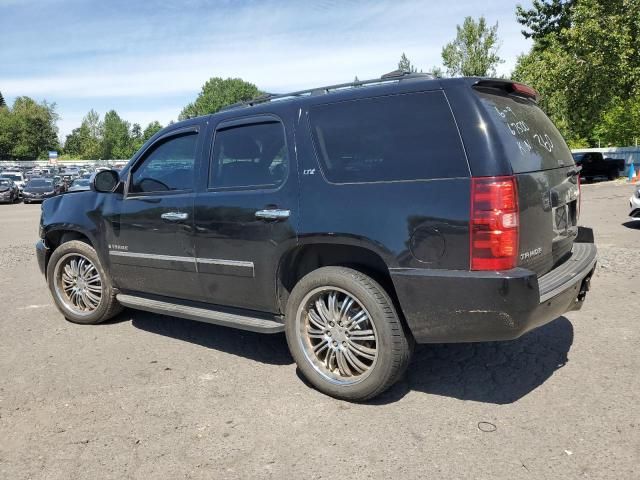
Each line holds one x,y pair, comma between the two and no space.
192,311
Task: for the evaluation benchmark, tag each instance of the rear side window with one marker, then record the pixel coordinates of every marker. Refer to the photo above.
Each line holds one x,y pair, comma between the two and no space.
396,137
249,156
531,140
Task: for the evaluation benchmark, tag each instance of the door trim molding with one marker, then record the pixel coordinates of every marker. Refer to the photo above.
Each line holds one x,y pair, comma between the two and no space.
215,266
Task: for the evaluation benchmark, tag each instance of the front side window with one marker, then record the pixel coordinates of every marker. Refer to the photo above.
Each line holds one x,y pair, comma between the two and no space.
252,155
169,166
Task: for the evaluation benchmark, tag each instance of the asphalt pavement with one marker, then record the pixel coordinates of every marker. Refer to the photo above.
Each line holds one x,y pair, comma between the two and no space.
153,397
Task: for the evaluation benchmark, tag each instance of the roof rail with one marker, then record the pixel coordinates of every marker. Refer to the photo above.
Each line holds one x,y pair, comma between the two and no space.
395,76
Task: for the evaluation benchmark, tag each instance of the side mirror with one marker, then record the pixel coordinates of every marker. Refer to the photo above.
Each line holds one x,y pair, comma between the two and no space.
105,181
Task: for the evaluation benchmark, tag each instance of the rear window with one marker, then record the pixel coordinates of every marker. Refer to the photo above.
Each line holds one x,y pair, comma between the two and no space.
396,137
531,140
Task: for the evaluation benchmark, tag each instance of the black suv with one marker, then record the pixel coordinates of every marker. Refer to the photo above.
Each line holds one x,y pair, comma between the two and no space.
357,219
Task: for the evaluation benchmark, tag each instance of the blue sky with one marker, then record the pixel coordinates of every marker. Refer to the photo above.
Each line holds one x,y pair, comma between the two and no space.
147,59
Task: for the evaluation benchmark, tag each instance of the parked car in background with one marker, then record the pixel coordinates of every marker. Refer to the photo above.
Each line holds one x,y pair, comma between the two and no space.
79,185
38,189
594,164
9,192
17,177
634,203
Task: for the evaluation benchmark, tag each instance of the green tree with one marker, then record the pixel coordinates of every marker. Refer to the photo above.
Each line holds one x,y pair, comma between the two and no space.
474,52
2,102
544,18
73,144
217,93
437,72
7,133
405,64
136,131
588,71
620,123
86,141
151,129
33,129
136,138
116,140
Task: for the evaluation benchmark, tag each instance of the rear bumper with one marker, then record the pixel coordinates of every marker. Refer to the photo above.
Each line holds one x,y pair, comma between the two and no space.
465,306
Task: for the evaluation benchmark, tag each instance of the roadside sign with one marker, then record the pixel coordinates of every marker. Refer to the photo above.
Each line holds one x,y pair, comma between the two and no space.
53,157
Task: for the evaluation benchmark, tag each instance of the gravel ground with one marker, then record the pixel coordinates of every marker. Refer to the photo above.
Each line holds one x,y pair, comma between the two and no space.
148,396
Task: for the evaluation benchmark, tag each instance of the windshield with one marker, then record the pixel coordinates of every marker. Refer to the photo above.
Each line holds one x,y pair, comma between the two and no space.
40,182
578,157
81,182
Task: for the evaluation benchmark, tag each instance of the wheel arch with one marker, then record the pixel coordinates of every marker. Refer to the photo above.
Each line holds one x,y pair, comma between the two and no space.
56,236
307,257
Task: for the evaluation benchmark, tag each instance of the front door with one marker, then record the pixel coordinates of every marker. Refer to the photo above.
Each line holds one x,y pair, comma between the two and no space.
150,228
246,215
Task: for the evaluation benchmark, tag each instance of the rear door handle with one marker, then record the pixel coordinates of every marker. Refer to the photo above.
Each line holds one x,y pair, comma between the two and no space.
174,216
273,214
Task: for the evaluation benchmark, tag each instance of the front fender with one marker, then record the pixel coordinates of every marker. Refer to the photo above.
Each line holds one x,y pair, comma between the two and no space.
79,213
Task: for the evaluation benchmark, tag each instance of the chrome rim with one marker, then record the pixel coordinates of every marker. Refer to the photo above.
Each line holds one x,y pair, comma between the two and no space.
337,335
78,284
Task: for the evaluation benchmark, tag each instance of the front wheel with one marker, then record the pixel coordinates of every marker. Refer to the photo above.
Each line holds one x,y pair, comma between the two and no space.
80,287
345,334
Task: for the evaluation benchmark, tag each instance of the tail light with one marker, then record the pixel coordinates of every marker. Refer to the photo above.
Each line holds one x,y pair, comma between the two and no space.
494,223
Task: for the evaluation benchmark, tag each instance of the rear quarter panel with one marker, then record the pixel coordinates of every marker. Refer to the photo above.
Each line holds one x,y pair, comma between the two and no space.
393,219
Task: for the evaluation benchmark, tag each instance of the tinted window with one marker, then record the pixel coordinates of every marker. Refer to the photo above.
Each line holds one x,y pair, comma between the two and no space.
531,140
398,137
5,183
168,166
249,156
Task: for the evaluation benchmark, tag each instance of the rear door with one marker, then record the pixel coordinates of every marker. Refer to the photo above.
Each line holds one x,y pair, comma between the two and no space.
546,174
247,211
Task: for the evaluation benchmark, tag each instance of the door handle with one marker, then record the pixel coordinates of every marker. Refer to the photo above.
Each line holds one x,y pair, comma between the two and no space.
174,216
273,214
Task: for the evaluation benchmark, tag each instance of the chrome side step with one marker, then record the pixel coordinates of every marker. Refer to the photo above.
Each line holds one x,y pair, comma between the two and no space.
202,313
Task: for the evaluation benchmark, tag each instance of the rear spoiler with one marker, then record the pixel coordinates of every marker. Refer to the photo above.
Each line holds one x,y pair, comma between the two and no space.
512,88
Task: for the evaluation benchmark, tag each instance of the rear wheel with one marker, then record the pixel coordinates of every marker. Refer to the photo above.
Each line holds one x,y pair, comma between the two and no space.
613,174
80,287
345,334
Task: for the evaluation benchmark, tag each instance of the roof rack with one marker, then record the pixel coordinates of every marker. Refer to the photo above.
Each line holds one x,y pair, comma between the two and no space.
395,76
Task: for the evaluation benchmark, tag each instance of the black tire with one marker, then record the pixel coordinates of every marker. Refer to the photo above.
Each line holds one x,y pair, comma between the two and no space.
393,344
107,307
613,174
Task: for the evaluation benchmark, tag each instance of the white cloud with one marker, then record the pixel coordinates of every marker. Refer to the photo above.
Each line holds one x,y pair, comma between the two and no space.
154,52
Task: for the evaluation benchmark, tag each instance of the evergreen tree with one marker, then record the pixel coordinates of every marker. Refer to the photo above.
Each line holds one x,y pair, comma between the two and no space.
405,64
